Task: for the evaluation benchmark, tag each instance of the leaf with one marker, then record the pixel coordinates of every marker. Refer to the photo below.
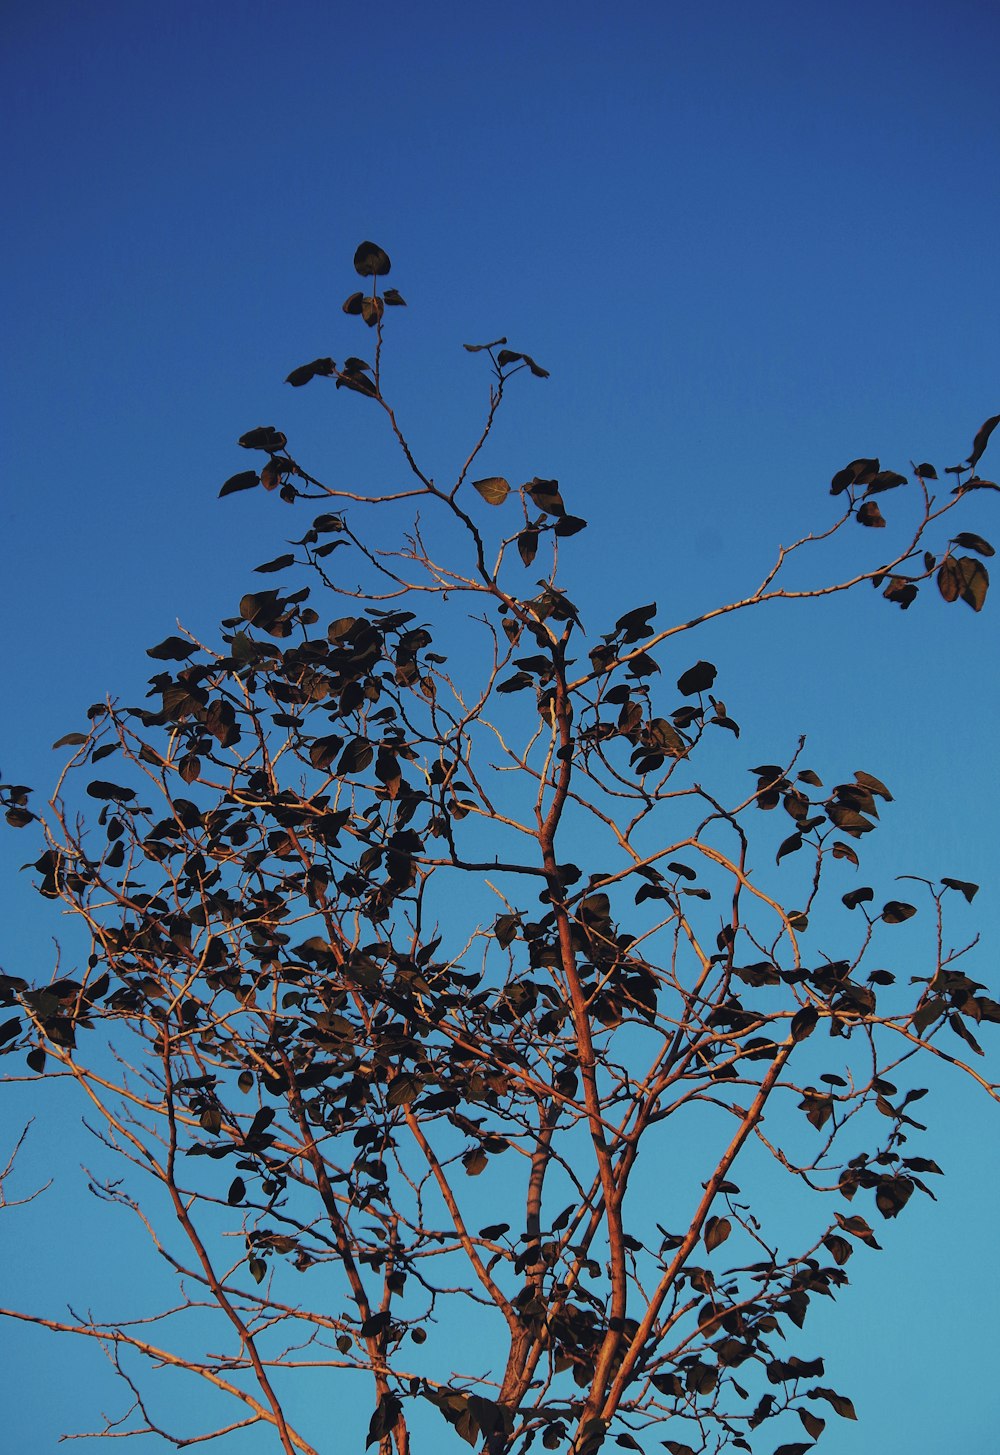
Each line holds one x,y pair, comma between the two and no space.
258,1269
265,437
70,740
545,494
388,1409
353,375
505,929
323,368
982,439
393,299
275,472
873,784
841,1404
353,304
818,1107
635,624
973,581
371,310
662,737
858,472
99,789
171,649
494,489
885,480
923,1164
958,1026
211,1119
245,480
262,1120
189,767
278,564
370,261
839,1248
698,678
858,1228
870,515
474,1161
804,1022
858,896
237,1191
516,683
901,591
260,606
512,356
569,525
478,348
355,757
494,1230
963,886
947,579
795,1448
527,545
975,484
895,912
925,471
844,851
717,1230
892,1195
969,541
404,1089
789,846
10,1029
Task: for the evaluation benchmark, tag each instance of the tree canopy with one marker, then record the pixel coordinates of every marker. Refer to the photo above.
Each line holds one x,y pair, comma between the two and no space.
447,968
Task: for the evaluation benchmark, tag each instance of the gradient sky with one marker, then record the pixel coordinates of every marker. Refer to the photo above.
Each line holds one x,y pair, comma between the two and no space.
750,243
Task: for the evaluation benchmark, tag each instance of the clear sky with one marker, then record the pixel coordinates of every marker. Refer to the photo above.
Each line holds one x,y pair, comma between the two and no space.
749,242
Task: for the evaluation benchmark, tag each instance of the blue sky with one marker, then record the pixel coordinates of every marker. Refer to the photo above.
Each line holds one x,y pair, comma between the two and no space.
750,243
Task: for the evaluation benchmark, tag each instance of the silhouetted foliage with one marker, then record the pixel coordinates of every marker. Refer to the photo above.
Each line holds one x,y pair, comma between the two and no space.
351,996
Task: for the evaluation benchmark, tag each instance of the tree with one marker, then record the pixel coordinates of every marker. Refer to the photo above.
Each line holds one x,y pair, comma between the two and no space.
347,994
